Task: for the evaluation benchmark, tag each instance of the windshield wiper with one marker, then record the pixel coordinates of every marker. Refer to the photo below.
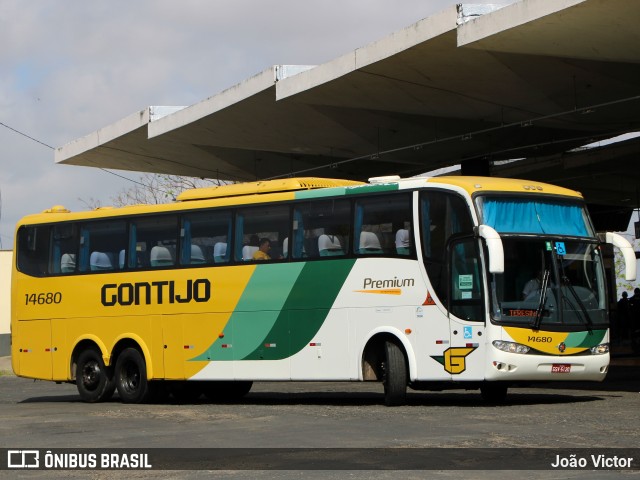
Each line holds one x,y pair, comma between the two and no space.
543,298
587,319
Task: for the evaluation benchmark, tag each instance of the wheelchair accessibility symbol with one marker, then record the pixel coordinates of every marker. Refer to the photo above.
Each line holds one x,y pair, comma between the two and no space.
560,248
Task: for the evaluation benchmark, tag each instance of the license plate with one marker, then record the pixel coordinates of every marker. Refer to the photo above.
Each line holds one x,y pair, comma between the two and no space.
560,368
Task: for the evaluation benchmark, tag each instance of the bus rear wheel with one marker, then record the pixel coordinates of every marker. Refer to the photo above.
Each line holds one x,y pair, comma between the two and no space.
94,379
394,376
131,377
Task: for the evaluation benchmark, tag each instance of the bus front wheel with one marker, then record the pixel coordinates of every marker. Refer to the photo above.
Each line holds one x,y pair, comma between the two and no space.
394,375
94,380
131,377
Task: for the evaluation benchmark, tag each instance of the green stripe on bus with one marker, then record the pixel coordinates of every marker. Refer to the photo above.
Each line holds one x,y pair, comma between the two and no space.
256,313
585,339
305,310
353,190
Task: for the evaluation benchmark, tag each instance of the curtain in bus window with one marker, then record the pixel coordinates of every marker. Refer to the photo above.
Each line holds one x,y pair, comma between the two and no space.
426,222
186,242
298,234
526,216
359,219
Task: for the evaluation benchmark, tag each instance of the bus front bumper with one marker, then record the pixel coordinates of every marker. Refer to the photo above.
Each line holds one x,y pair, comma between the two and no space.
513,367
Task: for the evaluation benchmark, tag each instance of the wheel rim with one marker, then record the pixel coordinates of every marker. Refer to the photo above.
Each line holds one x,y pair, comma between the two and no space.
130,377
91,375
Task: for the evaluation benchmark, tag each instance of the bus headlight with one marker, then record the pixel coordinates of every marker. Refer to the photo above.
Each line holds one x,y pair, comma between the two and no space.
600,349
510,347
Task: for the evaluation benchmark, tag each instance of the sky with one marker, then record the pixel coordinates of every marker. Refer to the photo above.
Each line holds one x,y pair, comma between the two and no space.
71,67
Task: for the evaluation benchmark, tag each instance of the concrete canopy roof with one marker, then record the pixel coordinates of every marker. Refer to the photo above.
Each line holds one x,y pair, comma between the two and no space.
531,81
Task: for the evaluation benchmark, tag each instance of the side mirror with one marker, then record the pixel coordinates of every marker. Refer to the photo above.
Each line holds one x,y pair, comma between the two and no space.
627,252
494,247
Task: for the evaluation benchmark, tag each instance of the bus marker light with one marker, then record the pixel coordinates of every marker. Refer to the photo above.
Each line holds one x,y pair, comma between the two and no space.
407,331
221,335
270,345
47,349
315,344
226,345
188,347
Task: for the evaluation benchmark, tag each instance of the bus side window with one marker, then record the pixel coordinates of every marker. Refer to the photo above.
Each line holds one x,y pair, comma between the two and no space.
442,214
33,250
64,248
379,220
155,240
204,237
100,245
321,229
256,223
466,285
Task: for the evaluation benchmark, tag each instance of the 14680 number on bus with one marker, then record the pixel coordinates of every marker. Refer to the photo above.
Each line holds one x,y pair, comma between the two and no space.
46,298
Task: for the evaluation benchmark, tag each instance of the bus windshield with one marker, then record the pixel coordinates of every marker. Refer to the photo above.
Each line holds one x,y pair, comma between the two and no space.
549,283
553,271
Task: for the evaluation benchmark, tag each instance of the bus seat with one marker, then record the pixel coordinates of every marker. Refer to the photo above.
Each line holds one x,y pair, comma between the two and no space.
100,261
197,257
121,264
248,251
68,263
403,242
369,243
285,247
160,257
220,252
329,245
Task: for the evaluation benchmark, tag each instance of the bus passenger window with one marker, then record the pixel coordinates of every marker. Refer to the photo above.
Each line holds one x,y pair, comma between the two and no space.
64,248
100,245
321,229
33,250
378,221
254,225
204,238
156,241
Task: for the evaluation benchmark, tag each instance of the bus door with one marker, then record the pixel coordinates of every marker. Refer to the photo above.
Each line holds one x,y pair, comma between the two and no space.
465,359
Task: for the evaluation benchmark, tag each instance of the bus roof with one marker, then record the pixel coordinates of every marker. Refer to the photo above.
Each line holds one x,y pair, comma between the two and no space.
264,186
475,185
301,188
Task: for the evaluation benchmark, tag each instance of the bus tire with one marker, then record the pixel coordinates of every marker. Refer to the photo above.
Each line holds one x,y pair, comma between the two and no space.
94,379
131,377
395,375
494,393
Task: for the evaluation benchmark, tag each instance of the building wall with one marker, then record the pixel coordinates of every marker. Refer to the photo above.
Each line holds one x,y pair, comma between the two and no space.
5,302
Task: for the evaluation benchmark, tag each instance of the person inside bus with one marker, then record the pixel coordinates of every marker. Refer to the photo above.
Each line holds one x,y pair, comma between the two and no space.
403,242
263,250
532,285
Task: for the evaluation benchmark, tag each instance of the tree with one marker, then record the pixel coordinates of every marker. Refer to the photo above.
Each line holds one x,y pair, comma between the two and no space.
154,188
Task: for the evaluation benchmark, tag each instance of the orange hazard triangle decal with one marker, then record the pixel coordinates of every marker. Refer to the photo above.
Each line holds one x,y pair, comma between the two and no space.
429,300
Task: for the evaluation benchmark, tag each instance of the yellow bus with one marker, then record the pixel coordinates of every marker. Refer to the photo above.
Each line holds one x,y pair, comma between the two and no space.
427,283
